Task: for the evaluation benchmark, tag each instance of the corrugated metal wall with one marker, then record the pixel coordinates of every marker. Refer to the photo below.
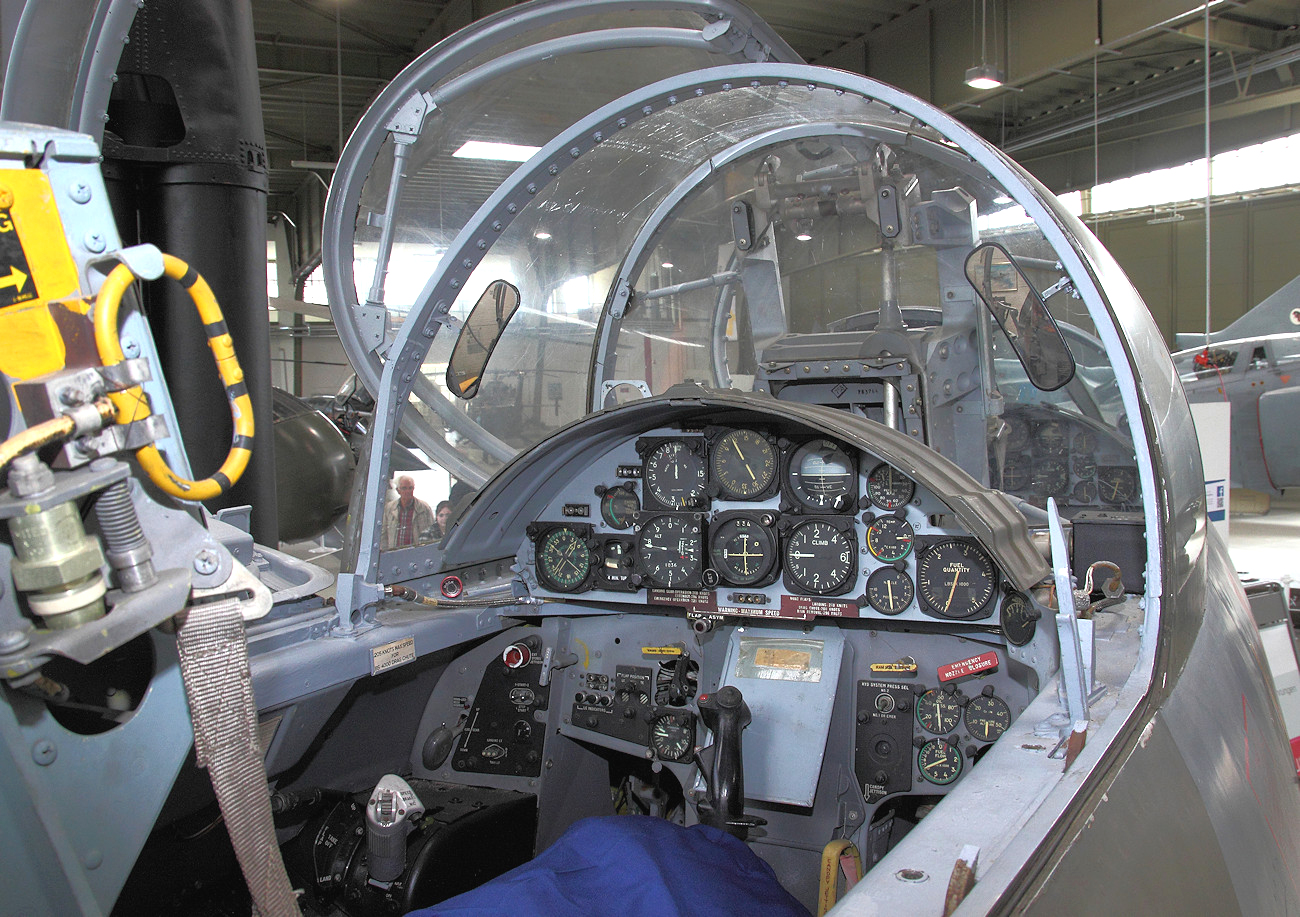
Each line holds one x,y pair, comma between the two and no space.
1255,249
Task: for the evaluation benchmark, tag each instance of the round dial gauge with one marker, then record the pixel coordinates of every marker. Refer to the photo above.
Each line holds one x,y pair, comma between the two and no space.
743,550
1019,619
889,489
672,736
1084,492
675,475
939,762
619,506
670,548
1015,475
1085,441
819,558
1116,484
955,579
563,560
1053,436
890,591
889,538
1083,465
1051,476
987,717
743,464
822,475
1017,432
938,711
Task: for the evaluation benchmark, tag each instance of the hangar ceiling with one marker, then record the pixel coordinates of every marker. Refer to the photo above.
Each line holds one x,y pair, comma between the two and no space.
1095,88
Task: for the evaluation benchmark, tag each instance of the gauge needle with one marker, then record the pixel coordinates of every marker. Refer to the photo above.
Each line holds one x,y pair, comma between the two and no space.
889,584
952,591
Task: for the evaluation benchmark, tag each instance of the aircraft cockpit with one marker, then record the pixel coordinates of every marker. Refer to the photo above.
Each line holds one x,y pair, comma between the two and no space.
821,485
764,385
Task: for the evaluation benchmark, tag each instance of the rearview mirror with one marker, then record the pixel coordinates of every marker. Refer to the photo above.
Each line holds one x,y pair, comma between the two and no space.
479,335
1021,313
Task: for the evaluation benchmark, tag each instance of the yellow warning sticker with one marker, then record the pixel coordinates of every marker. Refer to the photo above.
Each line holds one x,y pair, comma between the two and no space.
16,281
894,668
34,259
661,651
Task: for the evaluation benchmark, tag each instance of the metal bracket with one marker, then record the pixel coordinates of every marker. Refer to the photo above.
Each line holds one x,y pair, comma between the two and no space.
126,374
351,592
130,616
406,124
71,485
145,261
622,294
254,598
121,438
370,323
1075,677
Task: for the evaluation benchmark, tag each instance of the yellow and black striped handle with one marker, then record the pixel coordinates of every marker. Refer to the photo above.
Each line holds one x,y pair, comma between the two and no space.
132,405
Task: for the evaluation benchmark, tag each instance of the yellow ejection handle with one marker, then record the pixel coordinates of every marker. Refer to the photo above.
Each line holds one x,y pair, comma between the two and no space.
131,404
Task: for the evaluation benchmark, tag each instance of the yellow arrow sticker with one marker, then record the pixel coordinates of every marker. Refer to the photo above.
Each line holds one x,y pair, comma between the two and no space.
15,275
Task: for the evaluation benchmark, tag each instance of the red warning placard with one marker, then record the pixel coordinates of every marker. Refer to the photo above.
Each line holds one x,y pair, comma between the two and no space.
975,665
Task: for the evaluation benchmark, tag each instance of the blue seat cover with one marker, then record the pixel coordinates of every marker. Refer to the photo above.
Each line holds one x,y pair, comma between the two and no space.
632,866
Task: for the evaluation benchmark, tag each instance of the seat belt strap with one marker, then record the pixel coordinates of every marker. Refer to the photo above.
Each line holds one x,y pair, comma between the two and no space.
219,687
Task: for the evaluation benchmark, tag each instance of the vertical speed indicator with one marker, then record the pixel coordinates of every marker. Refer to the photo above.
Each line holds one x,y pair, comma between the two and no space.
820,559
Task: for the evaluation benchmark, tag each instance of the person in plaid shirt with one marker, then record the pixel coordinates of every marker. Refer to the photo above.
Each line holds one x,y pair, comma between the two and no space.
406,518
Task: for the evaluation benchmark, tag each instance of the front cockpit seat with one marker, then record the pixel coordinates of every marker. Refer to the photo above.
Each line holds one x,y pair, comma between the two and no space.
634,866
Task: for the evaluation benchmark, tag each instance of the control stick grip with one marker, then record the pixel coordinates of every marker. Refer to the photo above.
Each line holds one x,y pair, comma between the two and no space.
726,714
391,814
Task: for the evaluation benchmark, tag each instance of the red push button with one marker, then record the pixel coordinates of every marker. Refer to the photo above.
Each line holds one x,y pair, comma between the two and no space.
516,656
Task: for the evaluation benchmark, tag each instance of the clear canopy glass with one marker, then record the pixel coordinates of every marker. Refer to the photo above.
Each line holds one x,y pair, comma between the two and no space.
804,242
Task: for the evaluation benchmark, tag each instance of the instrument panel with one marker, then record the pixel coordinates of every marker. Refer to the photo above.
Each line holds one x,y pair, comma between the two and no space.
1050,452
758,521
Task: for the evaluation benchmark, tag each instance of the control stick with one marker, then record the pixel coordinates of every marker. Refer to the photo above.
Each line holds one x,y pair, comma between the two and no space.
391,814
726,714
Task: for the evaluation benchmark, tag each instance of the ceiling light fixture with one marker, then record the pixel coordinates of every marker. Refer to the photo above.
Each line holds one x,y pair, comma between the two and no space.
985,75
667,264
542,235
502,152
803,230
